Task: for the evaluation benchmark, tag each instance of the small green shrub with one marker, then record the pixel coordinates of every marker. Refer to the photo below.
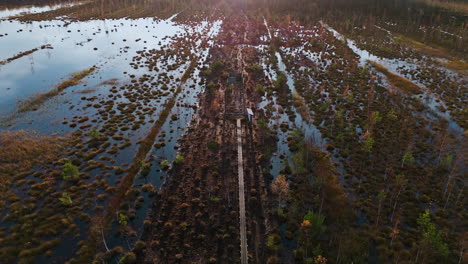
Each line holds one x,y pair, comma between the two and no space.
164,164
260,89
255,68
215,199
274,242
66,199
368,144
144,164
408,159
70,171
213,145
93,133
179,159
211,88
217,66
123,219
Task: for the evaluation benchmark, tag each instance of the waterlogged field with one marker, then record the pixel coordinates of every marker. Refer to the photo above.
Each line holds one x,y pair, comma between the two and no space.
99,85
118,143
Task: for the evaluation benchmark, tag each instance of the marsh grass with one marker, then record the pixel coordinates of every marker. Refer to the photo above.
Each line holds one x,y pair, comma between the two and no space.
22,54
440,52
396,80
300,104
21,149
34,102
75,79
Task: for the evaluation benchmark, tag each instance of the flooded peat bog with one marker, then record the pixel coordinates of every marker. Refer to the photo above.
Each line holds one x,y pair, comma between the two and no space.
244,131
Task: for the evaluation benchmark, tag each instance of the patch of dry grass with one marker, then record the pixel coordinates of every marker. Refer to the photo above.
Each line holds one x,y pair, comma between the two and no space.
21,150
398,81
457,65
421,47
34,102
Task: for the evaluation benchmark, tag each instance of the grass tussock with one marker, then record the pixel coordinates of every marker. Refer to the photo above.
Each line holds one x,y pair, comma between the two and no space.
398,81
34,102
